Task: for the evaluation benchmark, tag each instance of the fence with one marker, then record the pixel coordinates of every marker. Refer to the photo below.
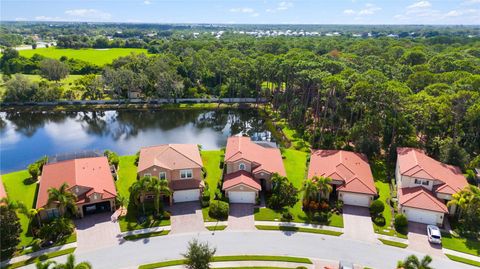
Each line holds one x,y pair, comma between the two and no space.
74,155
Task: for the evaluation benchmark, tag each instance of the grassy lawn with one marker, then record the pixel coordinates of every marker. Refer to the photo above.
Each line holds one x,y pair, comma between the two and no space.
41,258
19,188
231,258
98,57
67,82
297,229
461,244
72,238
393,243
130,223
211,161
463,260
127,175
217,228
145,235
296,166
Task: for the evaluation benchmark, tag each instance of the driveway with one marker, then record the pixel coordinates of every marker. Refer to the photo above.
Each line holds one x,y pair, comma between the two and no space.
186,218
241,217
418,240
97,231
358,224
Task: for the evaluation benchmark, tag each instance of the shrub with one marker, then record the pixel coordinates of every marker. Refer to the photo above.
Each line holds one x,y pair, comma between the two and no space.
401,222
321,217
205,198
218,210
34,170
113,158
56,230
376,207
339,205
287,216
166,215
283,193
379,220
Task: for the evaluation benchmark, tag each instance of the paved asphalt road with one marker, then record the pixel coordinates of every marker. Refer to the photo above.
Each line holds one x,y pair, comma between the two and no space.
131,254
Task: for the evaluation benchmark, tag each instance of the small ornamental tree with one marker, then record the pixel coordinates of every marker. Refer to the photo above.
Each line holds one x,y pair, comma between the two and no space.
112,157
10,230
219,209
376,207
199,255
401,223
283,193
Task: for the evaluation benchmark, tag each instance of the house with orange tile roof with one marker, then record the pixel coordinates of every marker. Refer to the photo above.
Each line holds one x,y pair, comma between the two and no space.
352,179
3,193
180,164
249,167
425,185
89,179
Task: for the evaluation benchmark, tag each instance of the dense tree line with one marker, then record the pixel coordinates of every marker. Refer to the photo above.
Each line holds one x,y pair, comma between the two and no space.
369,94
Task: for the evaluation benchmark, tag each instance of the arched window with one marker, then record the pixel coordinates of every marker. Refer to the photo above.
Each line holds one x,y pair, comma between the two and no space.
241,166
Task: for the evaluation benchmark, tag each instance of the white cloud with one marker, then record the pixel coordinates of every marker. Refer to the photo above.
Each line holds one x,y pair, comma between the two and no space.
47,18
147,2
454,13
282,6
471,2
88,14
255,14
243,10
368,9
420,4
20,19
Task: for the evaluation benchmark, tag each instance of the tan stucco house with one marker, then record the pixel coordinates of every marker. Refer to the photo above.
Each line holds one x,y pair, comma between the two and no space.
89,179
180,164
425,185
248,169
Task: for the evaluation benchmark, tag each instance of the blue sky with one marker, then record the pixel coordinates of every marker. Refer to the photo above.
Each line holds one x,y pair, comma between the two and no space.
247,11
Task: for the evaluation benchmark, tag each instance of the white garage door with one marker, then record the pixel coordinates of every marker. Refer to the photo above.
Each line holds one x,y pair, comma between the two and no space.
241,197
186,196
421,216
356,199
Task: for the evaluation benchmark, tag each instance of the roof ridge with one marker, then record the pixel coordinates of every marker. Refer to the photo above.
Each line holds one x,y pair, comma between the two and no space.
184,154
361,181
424,192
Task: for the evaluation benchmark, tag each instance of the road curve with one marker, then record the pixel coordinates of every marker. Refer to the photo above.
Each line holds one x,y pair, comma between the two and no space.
130,254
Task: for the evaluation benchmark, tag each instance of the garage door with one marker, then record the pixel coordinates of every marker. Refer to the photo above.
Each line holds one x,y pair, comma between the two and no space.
355,199
186,196
241,197
96,208
421,216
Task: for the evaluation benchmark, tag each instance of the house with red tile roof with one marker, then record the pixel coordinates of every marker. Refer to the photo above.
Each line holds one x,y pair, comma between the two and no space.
249,168
89,179
3,193
180,164
352,179
425,185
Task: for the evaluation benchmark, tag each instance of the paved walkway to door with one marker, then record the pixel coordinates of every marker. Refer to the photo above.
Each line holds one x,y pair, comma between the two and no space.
241,217
358,224
97,231
186,218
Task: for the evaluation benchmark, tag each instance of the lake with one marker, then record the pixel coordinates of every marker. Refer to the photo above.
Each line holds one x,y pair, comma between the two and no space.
26,136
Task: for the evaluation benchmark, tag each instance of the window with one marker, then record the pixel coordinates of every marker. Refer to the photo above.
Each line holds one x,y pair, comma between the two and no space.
162,175
418,181
147,175
52,213
425,182
185,174
241,166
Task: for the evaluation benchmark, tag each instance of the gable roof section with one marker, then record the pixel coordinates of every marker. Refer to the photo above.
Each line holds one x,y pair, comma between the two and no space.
93,173
346,166
414,162
170,156
268,159
3,193
419,197
240,177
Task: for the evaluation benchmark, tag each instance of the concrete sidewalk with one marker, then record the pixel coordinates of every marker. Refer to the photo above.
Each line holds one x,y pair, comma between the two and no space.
38,253
251,264
299,225
461,254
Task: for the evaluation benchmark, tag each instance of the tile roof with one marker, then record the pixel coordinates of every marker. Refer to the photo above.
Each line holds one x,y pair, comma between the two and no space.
240,177
186,184
349,167
3,193
93,173
268,159
419,197
415,163
170,156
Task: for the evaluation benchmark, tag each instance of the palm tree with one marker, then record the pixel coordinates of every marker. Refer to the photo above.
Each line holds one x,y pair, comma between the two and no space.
466,197
323,184
310,191
45,265
70,264
122,201
31,213
64,198
412,262
159,187
11,204
139,189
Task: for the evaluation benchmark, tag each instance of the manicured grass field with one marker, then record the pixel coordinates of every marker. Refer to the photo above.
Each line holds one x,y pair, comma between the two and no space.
297,229
98,57
465,245
211,161
41,258
19,188
127,174
145,235
231,258
463,260
67,82
217,228
296,166
393,243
